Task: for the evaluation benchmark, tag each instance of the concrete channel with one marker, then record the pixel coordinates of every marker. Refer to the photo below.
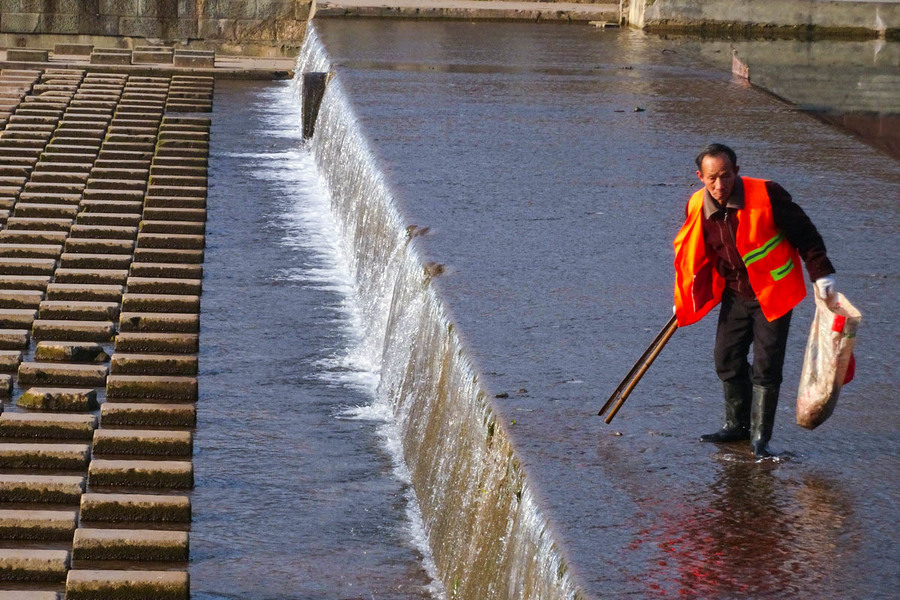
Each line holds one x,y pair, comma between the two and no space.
103,183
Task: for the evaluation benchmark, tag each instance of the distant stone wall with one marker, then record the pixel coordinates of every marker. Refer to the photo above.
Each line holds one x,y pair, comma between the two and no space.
778,17
173,21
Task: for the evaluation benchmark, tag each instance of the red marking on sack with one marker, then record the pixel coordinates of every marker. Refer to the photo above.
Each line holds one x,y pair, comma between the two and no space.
851,370
839,322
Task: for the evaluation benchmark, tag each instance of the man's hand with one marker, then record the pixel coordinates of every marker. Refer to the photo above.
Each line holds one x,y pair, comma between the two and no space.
825,287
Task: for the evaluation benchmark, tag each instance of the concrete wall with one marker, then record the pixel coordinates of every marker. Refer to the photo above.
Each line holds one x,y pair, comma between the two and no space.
828,17
235,22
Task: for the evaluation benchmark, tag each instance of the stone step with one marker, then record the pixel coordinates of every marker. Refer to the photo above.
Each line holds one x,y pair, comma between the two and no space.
191,228
130,585
79,311
48,425
29,197
37,525
47,187
166,270
142,442
70,352
170,474
114,194
174,214
43,489
109,219
99,246
17,318
26,236
51,156
10,359
172,343
159,322
164,285
177,170
85,292
15,339
151,388
41,210
30,250
27,266
33,565
61,457
21,298
116,277
73,260
73,331
112,206
39,224
171,240
161,255
59,399
62,374
139,414
130,545
165,303
135,508
123,363
104,232
155,201
120,174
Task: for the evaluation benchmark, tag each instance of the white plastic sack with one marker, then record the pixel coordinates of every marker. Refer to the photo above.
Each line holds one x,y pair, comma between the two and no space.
828,354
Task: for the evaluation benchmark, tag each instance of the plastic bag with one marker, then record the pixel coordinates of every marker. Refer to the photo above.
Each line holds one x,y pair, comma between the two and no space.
829,353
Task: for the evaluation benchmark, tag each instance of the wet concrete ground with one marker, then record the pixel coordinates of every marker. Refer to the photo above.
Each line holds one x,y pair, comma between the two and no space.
552,202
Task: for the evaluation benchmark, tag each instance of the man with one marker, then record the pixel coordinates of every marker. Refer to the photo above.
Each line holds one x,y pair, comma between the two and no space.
741,245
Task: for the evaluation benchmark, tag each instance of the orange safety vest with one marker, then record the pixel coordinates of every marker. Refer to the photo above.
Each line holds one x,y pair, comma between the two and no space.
773,265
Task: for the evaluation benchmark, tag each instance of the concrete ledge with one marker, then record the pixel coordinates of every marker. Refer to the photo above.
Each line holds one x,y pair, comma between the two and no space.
130,545
59,399
171,474
135,508
54,489
31,373
44,456
153,364
127,585
138,442
113,414
37,425
77,352
33,565
37,525
161,322
171,343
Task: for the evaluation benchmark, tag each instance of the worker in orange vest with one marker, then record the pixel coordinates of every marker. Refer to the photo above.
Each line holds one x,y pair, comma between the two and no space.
741,245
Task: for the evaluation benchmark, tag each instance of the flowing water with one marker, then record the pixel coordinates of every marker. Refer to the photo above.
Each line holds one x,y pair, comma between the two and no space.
506,196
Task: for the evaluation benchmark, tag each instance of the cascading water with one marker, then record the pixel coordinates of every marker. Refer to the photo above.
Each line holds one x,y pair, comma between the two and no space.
486,533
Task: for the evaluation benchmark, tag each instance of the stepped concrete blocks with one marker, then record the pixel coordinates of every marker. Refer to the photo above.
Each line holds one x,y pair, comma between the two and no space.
22,236
153,364
115,219
73,331
112,206
17,318
130,545
33,565
92,276
166,303
47,426
169,343
21,299
174,227
137,414
166,270
27,266
41,210
171,240
103,232
71,260
44,456
135,508
169,388
6,385
24,282
60,399
155,201
42,373
127,585
159,255
9,360
99,246
171,474
14,339
174,214
165,285
79,311
37,525
85,292
44,489
142,442
74,352
30,250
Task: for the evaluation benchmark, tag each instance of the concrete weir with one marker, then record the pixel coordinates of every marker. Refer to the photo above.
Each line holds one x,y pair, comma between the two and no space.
93,506
484,526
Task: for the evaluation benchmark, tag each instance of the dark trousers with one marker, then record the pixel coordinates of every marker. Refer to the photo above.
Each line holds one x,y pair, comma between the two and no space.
742,324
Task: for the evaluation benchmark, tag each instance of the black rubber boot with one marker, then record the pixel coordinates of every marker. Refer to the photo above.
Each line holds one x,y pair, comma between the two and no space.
762,419
737,414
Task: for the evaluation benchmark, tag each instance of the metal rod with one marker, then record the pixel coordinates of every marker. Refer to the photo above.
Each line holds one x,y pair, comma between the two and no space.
637,377
637,365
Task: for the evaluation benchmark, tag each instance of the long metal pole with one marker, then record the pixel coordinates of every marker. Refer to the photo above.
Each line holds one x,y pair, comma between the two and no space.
643,369
638,364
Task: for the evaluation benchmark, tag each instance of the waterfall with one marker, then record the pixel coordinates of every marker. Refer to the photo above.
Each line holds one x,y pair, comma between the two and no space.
488,537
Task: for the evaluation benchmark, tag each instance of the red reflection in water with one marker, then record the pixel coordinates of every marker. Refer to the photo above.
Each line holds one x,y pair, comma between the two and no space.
880,131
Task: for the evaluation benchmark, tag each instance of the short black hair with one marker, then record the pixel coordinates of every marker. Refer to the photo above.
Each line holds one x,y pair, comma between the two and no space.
715,150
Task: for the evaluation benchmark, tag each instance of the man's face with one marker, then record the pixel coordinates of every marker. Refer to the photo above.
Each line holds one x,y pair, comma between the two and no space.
718,176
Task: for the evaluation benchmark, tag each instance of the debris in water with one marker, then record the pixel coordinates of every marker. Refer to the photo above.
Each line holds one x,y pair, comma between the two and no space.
434,269
502,395
639,109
